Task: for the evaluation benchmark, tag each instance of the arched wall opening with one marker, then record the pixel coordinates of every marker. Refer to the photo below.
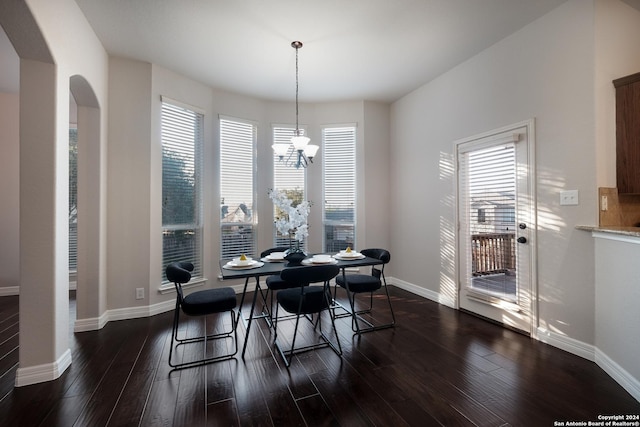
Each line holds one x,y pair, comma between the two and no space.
89,159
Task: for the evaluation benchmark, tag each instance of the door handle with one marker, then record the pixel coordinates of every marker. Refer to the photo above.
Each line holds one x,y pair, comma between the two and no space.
522,239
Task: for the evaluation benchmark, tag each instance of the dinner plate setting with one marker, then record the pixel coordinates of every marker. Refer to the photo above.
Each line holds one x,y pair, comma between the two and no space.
274,257
235,265
343,255
319,259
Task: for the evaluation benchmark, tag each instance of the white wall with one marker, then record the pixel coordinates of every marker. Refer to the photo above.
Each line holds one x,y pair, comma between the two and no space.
9,194
375,216
544,71
617,314
49,58
129,166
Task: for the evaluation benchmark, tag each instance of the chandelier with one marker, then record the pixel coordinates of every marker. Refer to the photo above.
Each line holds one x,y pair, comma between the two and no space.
299,153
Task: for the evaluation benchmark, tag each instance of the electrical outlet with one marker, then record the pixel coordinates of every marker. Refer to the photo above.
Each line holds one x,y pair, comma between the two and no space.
139,293
604,203
569,197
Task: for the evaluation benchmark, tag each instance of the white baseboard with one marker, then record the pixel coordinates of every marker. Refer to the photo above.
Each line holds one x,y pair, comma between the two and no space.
8,291
423,292
42,373
618,373
573,346
91,324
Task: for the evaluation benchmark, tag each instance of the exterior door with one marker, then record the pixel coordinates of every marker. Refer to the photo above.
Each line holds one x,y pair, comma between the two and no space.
496,226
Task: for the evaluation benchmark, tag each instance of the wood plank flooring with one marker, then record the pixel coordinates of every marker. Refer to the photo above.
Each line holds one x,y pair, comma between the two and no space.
437,367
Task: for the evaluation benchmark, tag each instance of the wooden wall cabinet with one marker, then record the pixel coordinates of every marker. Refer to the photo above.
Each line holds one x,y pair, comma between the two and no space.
628,134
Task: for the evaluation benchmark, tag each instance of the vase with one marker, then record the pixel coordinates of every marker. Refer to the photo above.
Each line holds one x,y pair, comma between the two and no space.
294,254
294,258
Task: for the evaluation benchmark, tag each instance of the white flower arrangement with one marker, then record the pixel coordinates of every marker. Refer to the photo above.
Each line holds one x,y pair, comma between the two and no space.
293,222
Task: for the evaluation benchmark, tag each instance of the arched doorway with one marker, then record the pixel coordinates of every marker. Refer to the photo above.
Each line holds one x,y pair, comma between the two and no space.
88,173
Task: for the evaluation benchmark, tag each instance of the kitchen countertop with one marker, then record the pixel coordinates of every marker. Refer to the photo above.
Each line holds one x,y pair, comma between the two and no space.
613,229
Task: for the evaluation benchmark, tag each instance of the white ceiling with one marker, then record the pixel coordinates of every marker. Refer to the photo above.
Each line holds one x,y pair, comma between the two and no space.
376,50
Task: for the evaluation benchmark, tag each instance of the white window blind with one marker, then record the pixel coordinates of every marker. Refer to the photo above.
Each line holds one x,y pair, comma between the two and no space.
490,191
339,176
237,222
181,187
286,178
488,194
73,198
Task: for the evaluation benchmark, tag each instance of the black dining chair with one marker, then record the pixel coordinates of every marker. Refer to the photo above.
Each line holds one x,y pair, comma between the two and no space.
274,283
200,303
366,283
305,300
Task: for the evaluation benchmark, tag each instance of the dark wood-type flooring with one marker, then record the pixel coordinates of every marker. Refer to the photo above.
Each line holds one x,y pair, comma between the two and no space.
437,367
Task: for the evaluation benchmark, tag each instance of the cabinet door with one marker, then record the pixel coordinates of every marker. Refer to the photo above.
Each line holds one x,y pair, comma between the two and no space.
628,133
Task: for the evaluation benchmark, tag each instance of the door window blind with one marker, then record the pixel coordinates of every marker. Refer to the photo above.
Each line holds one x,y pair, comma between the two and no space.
488,218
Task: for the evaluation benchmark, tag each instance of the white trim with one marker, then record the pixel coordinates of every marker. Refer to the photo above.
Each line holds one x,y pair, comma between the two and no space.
619,374
170,288
142,311
617,237
423,292
7,291
127,313
43,373
91,324
179,104
339,125
240,120
563,342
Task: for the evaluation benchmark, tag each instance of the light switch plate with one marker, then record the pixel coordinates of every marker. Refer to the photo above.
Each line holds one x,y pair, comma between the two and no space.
569,197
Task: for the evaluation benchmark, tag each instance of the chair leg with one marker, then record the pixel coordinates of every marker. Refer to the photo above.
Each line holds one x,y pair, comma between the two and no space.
337,350
204,338
356,314
174,330
287,355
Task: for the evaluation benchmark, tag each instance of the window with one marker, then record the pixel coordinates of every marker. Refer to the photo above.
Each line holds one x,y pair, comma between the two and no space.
482,215
181,175
339,174
73,198
237,222
286,178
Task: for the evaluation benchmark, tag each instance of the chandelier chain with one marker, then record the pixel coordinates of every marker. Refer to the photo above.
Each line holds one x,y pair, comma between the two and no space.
297,126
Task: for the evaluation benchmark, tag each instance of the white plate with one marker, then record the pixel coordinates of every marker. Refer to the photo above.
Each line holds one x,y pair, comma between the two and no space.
235,266
267,259
274,259
352,255
276,255
310,261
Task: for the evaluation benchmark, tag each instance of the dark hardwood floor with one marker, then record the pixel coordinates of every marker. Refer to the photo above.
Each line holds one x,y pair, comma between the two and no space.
438,366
